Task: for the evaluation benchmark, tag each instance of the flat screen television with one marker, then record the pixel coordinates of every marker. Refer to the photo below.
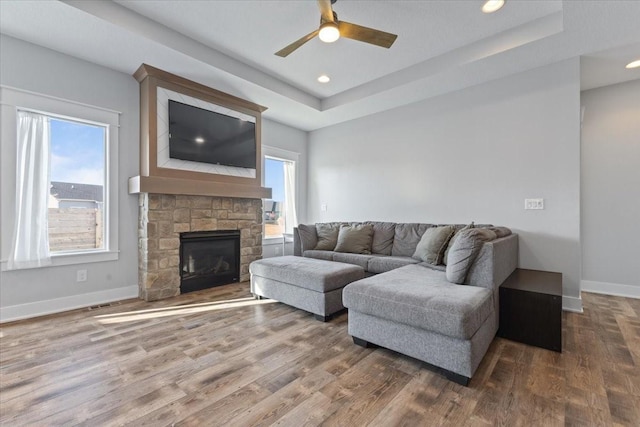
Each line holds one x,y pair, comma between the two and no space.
206,136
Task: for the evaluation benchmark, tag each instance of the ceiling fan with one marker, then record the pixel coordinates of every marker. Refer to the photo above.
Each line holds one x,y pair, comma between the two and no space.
331,29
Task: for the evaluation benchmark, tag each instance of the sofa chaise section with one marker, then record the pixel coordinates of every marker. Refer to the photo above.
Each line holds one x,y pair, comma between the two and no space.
414,310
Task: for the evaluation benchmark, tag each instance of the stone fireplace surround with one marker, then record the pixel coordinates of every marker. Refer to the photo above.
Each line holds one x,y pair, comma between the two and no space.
162,217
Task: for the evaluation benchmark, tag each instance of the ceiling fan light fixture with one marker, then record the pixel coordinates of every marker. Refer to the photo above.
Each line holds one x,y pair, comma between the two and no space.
491,6
331,29
633,64
329,32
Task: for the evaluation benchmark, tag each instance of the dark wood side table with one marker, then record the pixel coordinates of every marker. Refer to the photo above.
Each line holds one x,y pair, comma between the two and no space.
531,308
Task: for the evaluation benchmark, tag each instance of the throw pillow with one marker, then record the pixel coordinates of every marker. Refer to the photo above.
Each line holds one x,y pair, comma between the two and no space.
327,236
464,252
433,243
445,258
355,239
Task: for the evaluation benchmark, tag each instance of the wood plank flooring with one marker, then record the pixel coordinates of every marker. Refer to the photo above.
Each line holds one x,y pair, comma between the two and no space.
218,357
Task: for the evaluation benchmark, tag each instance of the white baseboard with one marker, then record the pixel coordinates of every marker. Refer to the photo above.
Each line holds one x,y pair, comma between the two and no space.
616,289
572,304
57,305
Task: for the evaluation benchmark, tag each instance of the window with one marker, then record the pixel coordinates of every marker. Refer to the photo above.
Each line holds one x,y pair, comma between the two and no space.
279,211
64,175
77,185
274,209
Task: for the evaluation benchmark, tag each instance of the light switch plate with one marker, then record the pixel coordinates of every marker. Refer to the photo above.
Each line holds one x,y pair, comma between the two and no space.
534,204
323,207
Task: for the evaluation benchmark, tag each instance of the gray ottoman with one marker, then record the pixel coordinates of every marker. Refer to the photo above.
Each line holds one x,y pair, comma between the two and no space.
309,284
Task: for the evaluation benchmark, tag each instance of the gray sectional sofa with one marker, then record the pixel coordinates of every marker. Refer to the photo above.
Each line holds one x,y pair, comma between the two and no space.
410,306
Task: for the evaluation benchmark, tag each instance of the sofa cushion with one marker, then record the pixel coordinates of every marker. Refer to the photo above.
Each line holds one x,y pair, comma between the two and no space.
325,255
445,257
327,236
420,297
383,233
355,259
313,274
382,264
355,239
433,243
406,238
308,236
464,252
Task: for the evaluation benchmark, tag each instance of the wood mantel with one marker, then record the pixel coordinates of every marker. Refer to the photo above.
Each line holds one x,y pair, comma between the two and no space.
191,187
166,180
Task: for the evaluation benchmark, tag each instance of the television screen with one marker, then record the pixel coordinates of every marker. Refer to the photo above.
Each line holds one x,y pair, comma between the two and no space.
205,136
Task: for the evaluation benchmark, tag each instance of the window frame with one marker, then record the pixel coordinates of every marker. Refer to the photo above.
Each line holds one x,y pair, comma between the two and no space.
287,156
105,191
13,100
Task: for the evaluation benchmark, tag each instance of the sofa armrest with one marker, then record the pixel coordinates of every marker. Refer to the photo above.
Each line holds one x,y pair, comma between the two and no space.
306,238
495,262
297,247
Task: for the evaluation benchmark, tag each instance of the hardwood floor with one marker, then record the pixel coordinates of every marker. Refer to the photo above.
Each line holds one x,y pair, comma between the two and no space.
218,357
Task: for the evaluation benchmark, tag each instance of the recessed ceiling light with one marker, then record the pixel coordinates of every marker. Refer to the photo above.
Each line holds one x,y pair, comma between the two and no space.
634,64
491,6
324,79
199,140
329,32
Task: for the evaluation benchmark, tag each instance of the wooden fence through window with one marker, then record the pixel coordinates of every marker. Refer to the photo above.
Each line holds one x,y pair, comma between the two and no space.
75,229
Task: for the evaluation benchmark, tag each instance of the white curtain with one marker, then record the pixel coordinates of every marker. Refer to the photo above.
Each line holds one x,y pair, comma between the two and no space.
291,218
30,238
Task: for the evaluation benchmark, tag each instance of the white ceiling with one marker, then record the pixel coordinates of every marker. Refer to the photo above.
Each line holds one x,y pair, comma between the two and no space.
608,67
442,46
252,31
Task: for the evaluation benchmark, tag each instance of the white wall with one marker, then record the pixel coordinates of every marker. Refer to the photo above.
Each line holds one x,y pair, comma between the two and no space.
611,189
473,155
28,292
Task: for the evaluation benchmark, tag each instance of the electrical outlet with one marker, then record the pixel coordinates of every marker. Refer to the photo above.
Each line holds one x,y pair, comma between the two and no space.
81,276
534,204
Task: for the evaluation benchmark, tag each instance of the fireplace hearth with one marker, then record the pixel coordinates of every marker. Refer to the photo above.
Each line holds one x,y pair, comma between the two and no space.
208,259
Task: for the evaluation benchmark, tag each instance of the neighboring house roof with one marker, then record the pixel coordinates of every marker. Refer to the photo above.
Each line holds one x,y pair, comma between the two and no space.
74,191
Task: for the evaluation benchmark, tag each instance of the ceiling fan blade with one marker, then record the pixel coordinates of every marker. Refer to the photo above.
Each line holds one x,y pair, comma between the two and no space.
325,10
367,35
296,44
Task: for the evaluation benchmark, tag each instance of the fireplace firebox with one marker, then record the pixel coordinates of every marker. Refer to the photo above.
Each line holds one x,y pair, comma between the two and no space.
208,259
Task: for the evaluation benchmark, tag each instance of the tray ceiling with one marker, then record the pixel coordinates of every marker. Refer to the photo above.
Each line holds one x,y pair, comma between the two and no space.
442,46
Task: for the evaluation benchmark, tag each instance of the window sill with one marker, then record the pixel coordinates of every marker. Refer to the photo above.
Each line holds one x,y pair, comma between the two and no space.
74,258
272,241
